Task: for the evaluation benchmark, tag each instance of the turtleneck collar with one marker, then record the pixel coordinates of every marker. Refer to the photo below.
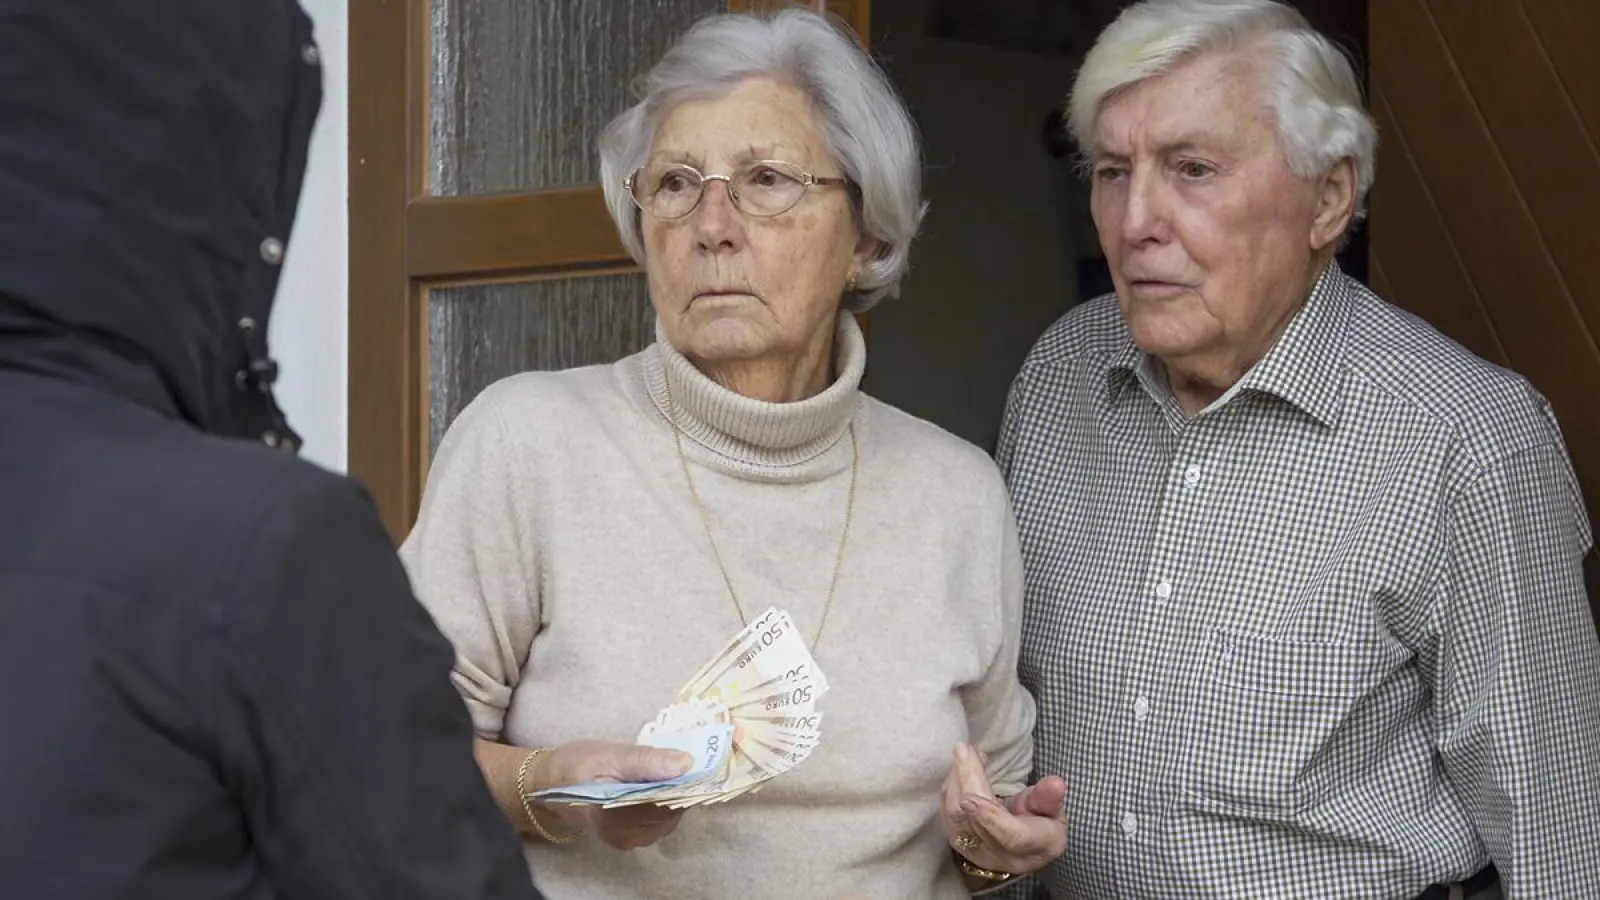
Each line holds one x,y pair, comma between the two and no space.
756,433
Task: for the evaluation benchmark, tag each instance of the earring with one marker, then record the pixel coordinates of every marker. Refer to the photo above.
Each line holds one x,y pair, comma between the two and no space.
850,283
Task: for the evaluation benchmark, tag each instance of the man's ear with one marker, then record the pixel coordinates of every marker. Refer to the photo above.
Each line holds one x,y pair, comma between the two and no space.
1336,204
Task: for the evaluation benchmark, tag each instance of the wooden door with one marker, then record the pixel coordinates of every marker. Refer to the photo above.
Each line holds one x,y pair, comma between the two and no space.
479,241
1484,214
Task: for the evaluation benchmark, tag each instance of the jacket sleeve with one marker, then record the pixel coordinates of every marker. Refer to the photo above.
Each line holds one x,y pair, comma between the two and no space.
340,730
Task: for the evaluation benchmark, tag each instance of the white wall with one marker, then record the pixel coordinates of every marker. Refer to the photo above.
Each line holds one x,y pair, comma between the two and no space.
310,321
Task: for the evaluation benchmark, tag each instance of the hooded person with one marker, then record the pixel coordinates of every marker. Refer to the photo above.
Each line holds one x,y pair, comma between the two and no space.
215,681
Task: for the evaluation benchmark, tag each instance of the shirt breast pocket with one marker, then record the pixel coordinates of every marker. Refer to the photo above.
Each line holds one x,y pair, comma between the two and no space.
1269,715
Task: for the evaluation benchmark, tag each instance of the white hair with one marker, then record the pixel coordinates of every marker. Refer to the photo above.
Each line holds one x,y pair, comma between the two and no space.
1311,87
864,125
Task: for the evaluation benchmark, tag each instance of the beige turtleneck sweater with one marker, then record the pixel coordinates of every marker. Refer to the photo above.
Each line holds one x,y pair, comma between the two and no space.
559,549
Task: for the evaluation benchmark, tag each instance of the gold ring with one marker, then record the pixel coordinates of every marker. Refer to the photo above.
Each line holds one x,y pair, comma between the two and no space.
967,842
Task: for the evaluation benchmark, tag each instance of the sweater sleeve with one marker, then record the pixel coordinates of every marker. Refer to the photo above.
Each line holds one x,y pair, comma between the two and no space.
472,560
1000,712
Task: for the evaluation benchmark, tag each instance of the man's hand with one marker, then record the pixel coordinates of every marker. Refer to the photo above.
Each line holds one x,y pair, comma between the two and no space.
625,828
1020,835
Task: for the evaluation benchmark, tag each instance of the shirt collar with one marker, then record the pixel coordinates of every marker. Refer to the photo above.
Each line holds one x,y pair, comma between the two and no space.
1304,368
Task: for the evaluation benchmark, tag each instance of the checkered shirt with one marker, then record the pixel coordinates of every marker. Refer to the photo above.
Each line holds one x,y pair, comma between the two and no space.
1327,638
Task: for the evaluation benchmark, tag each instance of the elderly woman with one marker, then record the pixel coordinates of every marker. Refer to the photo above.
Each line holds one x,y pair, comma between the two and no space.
589,538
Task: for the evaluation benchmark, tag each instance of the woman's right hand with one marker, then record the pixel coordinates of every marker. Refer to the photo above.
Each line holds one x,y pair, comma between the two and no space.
625,828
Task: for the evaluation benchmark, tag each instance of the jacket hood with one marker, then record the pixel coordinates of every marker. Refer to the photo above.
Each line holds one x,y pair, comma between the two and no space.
151,160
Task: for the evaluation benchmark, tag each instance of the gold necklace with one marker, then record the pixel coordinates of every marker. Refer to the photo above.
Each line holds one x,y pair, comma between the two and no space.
705,521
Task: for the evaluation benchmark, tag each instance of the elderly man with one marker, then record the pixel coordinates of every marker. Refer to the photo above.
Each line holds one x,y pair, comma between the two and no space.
1305,615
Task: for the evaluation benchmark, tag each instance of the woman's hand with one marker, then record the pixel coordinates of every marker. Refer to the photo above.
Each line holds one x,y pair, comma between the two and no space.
581,761
1020,835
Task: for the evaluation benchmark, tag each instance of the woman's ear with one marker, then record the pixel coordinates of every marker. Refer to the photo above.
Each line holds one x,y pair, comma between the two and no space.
868,248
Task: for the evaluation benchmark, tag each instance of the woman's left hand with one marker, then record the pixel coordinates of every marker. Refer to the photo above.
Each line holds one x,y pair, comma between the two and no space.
1018,835
628,827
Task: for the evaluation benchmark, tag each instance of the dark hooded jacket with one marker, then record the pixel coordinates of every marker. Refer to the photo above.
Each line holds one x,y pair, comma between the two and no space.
215,681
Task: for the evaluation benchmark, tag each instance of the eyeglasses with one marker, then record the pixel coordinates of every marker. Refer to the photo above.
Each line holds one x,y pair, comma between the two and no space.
765,188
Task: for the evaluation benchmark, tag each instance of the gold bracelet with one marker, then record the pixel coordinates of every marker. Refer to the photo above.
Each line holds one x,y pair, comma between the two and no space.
527,805
990,875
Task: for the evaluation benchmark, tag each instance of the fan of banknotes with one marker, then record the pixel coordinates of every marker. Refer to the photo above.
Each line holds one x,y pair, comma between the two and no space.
748,716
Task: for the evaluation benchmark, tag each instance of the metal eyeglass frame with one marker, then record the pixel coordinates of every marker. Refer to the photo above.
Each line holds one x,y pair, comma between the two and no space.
807,181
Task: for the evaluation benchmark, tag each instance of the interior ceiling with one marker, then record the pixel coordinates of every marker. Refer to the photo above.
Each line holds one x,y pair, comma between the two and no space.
1064,27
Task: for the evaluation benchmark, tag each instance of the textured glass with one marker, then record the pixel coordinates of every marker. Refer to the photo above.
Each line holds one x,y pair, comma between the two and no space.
523,88
480,334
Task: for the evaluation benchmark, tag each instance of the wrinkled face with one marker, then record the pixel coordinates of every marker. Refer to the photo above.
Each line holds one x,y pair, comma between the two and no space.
729,286
1208,233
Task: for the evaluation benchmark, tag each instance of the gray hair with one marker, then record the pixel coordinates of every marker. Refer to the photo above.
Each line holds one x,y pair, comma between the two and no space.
864,125
1312,88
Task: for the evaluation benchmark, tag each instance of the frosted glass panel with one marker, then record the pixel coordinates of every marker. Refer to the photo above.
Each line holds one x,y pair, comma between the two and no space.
480,334
522,88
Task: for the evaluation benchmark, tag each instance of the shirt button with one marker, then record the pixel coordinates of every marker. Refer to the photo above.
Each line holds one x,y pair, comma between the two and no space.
310,54
1191,476
1141,708
1130,824
272,251
1164,590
